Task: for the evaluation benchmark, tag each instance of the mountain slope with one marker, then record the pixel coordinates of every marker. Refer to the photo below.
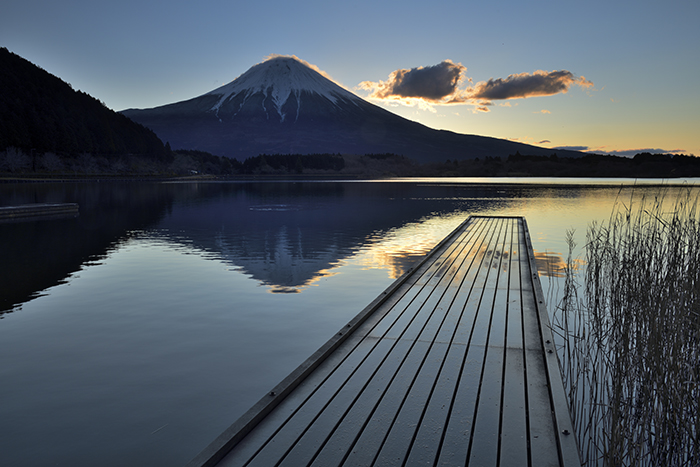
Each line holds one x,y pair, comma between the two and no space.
284,106
40,112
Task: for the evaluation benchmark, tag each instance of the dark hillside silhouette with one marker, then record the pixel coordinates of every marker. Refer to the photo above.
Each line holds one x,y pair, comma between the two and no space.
40,113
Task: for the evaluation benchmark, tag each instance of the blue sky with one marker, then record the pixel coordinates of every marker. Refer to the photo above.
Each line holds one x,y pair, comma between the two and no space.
641,58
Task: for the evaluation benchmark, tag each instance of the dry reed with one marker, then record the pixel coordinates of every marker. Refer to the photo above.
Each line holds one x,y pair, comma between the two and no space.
630,334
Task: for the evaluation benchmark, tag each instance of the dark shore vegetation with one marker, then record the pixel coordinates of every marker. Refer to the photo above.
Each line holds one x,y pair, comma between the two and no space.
18,163
631,336
642,165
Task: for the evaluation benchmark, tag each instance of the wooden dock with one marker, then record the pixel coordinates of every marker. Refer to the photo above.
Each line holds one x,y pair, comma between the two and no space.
453,365
38,211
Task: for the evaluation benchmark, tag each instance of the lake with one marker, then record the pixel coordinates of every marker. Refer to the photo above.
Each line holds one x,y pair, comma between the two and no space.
137,332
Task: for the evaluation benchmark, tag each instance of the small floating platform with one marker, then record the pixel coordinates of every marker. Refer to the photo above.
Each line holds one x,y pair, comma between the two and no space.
38,211
453,365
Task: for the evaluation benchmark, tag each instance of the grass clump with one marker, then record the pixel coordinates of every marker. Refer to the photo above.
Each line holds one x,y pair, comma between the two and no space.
631,334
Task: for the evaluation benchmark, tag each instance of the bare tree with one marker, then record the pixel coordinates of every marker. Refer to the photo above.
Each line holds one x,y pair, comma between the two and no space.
183,164
119,166
14,160
51,162
86,164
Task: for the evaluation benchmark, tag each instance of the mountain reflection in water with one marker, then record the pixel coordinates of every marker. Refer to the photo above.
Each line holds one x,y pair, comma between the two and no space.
284,235
288,246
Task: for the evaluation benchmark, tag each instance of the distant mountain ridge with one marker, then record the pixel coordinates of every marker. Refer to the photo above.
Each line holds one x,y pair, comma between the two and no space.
283,106
41,113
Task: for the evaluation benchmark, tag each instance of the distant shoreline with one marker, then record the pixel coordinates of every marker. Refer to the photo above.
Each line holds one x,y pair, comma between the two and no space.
158,178
529,179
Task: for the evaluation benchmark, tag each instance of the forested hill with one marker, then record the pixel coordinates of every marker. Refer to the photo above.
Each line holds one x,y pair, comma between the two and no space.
41,113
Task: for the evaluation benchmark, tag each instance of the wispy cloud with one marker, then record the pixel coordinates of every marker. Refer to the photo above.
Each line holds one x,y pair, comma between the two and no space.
442,84
572,148
524,85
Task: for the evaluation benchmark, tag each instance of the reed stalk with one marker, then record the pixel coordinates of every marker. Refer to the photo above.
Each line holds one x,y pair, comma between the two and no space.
630,335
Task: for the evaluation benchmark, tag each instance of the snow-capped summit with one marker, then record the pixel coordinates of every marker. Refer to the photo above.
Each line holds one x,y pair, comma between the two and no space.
284,106
277,80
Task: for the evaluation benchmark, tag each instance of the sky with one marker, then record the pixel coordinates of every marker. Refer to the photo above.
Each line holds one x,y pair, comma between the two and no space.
610,77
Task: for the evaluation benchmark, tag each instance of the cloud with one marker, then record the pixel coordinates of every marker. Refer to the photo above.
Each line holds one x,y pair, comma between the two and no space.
441,84
524,85
633,152
431,83
572,148
543,111
544,141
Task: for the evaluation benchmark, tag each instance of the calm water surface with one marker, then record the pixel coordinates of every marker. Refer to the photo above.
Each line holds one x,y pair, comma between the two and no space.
137,332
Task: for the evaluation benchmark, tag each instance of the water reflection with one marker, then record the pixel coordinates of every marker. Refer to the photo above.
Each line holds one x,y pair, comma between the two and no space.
287,236
302,232
397,249
165,325
39,254
550,264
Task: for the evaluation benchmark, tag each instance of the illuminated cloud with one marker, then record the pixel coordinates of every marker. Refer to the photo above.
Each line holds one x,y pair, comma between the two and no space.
432,84
440,84
523,85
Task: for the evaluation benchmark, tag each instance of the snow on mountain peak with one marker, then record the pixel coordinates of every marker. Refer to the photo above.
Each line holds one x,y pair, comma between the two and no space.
279,77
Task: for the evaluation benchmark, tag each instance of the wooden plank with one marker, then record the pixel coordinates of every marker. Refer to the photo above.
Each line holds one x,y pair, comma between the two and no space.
448,367
484,443
514,438
563,427
28,212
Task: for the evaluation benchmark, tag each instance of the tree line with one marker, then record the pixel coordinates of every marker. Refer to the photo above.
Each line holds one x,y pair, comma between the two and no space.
181,162
642,165
292,163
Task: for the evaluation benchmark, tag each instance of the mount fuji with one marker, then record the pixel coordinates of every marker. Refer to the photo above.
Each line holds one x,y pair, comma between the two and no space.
283,106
